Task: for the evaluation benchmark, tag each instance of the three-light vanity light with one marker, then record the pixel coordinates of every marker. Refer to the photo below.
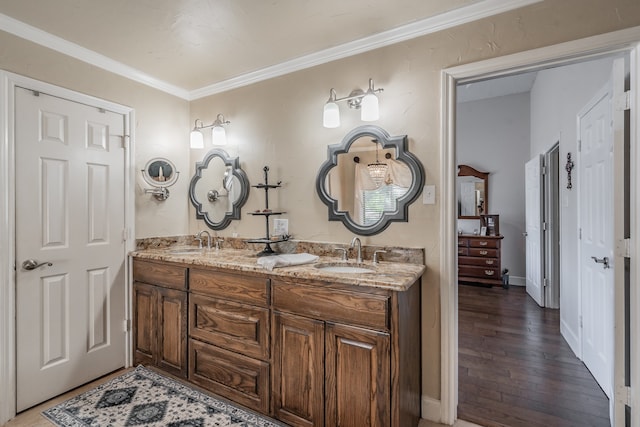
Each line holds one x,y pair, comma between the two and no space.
367,102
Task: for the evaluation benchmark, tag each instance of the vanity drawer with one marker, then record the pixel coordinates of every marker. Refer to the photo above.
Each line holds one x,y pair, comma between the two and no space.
234,287
332,305
160,274
479,252
479,272
484,243
234,326
479,261
233,376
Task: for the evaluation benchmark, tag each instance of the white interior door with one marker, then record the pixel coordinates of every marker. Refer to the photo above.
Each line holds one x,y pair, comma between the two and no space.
70,213
596,244
533,219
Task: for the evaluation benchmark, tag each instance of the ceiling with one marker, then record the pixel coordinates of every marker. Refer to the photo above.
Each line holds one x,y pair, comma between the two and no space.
194,48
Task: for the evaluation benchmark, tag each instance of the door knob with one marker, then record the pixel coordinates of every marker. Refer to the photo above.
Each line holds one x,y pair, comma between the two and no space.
604,261
32,264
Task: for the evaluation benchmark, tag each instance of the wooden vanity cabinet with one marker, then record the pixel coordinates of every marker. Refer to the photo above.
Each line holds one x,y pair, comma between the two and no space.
160,316
479,259
339,359
229,331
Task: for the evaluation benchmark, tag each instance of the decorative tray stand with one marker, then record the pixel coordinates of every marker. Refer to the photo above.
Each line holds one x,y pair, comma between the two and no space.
267,212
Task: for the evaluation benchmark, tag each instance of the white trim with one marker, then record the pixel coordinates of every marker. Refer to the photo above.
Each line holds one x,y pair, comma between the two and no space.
430,408
560,54
452,18
8,83
463,15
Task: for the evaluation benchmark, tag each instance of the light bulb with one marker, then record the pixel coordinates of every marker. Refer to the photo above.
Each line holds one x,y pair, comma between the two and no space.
196,139
331,116
219,135
369,110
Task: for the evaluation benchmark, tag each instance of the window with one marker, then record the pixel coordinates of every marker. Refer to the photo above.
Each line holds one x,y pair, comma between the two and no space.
376,202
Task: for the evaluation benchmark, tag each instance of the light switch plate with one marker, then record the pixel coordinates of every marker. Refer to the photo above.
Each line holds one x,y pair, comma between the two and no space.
280,227
429,195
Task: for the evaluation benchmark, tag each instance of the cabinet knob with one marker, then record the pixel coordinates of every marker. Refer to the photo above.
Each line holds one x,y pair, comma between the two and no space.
489,261
489,272
483,252
483,243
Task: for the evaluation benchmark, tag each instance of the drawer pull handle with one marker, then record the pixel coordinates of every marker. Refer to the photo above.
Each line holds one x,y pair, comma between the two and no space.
489,261
484,252
483,243
489,272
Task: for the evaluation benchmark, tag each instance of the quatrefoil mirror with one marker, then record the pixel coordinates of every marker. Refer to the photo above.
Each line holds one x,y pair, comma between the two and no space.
369,180
218,189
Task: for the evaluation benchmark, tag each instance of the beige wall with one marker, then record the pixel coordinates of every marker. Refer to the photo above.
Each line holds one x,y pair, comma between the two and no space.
161,128
278,123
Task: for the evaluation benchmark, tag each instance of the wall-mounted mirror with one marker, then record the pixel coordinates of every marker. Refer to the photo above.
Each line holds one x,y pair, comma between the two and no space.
160,173
369,180
472,189
218,189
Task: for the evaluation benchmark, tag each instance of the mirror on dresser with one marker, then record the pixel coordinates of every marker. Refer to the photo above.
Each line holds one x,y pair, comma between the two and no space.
472,190
218,189
369,180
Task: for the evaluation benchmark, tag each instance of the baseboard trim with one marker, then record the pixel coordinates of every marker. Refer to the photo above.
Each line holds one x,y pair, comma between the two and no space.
517,281
431,409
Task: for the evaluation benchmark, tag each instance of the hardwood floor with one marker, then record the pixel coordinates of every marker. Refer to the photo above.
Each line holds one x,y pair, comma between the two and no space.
515,369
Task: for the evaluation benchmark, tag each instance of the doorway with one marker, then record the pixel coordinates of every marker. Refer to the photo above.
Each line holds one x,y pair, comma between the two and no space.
519,62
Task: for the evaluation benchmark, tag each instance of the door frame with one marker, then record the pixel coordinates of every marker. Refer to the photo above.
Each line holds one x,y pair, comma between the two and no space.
623,41
8,83
551,209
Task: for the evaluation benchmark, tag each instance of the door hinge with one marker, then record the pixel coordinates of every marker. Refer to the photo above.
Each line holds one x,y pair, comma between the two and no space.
101,110
623,101
545,282
125,141
127,325
125,234
545,226
579,145
627,248
543,170
625,395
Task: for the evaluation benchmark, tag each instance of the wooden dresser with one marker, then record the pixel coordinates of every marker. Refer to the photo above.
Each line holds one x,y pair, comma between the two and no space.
479,259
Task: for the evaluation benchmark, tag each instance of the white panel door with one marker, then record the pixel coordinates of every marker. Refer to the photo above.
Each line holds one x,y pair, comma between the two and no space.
533,220
596,243
69,213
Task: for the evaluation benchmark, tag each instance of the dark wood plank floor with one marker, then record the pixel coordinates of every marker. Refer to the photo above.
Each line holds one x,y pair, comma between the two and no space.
515,369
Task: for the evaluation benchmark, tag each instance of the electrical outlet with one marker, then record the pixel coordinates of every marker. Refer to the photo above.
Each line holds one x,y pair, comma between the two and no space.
429,195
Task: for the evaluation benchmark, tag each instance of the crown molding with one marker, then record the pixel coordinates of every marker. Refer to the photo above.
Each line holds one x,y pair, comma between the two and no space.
35,35
472,12
463,15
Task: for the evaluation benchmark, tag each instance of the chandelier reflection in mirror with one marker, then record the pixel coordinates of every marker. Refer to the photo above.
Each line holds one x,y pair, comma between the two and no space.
378,169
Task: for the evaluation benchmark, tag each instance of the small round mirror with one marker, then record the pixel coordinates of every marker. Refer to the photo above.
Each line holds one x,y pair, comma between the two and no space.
160,172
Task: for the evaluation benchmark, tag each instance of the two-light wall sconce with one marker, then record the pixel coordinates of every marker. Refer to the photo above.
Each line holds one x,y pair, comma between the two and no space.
366,102
218,134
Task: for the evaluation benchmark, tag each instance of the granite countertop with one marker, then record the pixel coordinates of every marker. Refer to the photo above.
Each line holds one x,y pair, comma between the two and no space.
395,276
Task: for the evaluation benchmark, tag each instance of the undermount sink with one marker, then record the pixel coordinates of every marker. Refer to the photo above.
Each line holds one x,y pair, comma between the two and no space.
345,268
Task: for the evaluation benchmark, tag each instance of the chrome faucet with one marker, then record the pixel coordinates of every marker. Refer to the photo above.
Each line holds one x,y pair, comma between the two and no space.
356,242
199,238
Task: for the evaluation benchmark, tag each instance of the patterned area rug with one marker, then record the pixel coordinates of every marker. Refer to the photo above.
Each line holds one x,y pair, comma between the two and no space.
143,397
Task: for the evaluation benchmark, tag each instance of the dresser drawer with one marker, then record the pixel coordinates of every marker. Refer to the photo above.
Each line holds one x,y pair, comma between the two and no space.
484,243
463,251
479,261
332,305
230,375
463,242
479,272
234,326
234,287
160,274
479,252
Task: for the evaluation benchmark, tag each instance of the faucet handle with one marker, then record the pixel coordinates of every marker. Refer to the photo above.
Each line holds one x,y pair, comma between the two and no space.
199,239
343,257
218,241
375,255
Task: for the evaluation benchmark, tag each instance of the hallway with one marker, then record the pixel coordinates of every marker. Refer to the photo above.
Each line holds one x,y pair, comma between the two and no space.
515,369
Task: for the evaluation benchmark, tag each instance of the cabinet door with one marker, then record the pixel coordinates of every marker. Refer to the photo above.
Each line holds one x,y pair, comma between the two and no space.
144,321
172,331
358,382
298,365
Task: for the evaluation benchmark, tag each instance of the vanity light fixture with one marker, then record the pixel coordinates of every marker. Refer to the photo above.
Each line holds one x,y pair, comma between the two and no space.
367,102
218,133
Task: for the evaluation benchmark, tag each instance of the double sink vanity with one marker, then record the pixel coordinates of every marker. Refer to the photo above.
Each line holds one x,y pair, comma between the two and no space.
333,343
